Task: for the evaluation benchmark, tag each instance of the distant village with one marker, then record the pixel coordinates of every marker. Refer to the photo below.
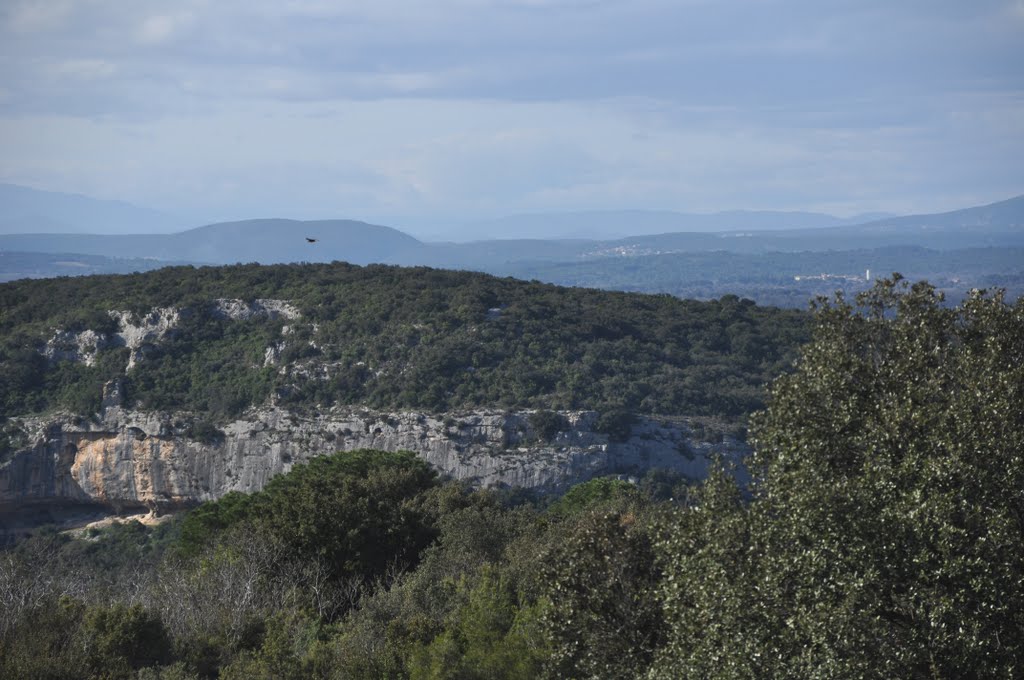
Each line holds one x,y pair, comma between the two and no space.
835,277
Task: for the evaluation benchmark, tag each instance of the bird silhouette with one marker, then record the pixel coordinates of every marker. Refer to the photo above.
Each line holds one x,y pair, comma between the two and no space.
310,240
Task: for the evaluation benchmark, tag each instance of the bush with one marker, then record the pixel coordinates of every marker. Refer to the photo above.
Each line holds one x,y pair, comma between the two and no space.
547,424
616,423
591,494
205,432
120,639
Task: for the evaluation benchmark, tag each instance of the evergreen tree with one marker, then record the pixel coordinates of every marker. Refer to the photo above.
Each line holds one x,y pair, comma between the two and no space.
885,537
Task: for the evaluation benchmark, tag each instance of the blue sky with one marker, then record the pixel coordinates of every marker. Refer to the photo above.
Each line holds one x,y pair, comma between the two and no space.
466,109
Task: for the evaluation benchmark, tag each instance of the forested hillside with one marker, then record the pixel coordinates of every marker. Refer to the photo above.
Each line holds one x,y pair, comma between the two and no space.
219,340
881,537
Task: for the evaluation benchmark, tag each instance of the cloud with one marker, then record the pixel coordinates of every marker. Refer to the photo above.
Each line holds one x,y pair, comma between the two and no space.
31,17
160,28
494,106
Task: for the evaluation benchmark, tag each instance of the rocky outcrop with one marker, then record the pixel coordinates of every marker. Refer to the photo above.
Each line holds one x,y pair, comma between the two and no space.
72,346
131,459
142,335
240,310
139,334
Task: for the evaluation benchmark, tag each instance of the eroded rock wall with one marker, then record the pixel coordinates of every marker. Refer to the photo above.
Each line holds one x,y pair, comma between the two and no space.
132,459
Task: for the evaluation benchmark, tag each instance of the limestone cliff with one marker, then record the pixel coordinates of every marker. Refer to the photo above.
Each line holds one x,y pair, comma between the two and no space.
131,459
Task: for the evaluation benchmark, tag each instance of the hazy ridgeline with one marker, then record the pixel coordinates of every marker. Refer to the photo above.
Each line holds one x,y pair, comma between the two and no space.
773,258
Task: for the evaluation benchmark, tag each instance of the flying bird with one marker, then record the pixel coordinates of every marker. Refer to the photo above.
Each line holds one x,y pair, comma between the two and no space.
310,240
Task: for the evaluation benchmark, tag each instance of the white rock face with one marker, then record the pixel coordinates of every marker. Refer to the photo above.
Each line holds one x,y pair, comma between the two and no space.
143,335
134,459
146,332
137,335
69,346
273,354
239,310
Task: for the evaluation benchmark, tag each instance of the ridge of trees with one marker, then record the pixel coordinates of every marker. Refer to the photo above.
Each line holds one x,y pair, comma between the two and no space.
394,338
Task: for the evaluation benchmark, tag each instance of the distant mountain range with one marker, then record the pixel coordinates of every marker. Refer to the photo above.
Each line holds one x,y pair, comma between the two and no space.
995,225
27,210
265,241
616,224
623,263
281,240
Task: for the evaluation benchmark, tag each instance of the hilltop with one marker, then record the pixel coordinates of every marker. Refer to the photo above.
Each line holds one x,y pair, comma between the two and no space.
164,389
219,340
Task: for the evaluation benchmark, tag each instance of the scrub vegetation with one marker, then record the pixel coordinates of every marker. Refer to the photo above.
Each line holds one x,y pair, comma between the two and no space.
392,338
881,537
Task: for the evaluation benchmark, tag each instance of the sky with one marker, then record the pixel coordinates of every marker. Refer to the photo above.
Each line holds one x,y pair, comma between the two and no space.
455,110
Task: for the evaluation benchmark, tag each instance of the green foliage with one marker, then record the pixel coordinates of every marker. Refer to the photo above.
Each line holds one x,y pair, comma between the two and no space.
45,644
489,636
210,365
595,493
359,512
616,423
285,652
885,537
121,639
122,546
393,338
204,431
175,671
11,438
604,617
356,510
546,424
204,523
416,624
64,638
22,375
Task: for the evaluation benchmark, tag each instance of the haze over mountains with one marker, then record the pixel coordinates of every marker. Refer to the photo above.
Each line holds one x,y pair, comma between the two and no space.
268,241
28,210
684,254
615,224
40,221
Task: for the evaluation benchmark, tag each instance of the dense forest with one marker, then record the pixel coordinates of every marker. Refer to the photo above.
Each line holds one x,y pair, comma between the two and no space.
390,338
882,537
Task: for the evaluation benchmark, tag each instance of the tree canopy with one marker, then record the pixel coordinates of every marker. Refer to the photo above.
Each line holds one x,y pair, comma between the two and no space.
391,338
885,537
